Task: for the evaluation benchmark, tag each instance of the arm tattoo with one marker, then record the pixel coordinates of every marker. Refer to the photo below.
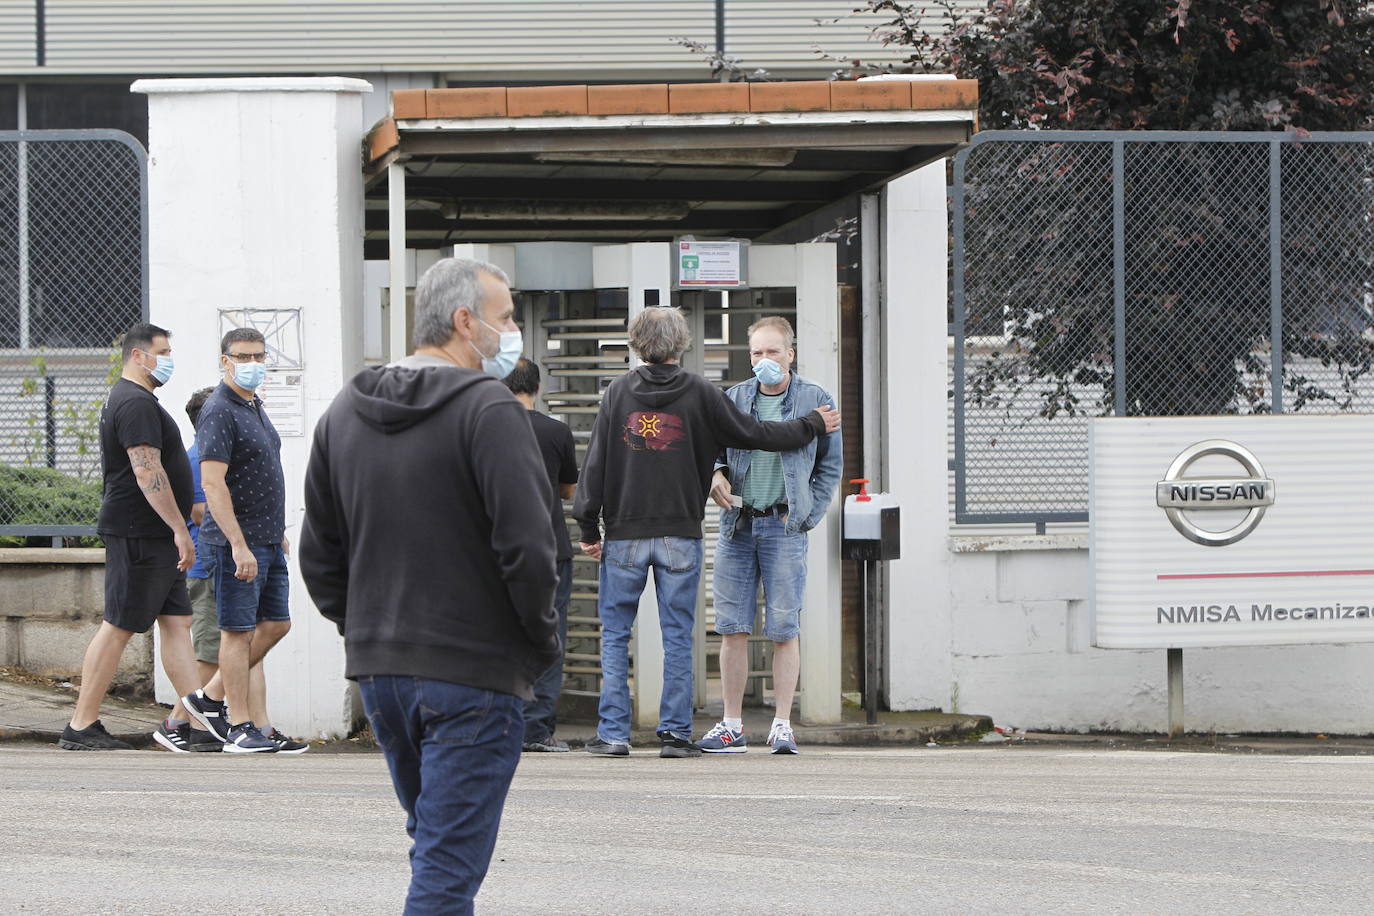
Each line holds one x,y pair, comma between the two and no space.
146,457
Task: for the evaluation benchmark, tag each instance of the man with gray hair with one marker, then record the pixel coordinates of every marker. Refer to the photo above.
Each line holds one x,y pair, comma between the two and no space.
647,474
427,542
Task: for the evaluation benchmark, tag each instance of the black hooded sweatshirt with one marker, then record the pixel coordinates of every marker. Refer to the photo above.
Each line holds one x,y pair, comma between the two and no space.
654,444
426,536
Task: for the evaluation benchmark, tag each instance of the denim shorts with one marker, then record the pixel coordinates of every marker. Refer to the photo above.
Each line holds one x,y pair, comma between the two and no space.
760,551
243,605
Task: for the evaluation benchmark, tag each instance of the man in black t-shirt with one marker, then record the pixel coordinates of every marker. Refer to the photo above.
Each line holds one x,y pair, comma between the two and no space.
145,502
560,461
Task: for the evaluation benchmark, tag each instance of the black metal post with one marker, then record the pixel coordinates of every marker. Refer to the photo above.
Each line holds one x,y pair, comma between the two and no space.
50,417
870,578
1175,677
40,33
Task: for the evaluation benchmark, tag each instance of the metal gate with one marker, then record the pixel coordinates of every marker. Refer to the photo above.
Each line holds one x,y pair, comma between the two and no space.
73,276
580,337
1148,274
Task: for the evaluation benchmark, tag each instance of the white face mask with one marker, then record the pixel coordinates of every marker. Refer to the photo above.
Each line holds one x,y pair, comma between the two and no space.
508,350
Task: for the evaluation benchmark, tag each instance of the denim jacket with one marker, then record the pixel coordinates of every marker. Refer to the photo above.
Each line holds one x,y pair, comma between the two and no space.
810,474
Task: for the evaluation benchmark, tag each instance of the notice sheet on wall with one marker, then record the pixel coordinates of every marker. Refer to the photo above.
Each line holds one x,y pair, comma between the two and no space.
283,397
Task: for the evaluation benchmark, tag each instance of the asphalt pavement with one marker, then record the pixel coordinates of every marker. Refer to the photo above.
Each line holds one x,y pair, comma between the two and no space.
981,829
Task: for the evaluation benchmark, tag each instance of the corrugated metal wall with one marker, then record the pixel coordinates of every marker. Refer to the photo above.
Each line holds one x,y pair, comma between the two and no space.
513,40
16,34
781,35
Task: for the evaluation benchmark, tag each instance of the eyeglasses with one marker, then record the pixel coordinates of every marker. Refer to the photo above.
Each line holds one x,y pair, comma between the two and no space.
248,357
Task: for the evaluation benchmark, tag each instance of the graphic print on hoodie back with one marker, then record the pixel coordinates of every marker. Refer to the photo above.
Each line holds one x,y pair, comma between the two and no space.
654,430
654,444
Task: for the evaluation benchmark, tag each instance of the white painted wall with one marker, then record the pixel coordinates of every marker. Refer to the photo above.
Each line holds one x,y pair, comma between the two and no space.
256,200
1020,650
1002,625
914,434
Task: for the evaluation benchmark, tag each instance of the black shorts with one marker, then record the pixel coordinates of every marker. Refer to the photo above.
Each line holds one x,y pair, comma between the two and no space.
142,582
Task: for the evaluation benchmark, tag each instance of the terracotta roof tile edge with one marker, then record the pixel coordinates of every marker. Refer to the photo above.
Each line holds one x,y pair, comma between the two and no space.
935,95
380,140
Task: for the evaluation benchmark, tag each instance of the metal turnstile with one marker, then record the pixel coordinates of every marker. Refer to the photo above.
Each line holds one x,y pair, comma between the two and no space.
579,339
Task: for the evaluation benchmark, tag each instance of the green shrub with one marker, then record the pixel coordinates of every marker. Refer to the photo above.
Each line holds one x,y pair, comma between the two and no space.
43,496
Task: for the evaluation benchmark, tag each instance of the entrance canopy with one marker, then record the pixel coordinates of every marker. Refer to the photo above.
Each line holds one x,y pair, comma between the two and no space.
646,162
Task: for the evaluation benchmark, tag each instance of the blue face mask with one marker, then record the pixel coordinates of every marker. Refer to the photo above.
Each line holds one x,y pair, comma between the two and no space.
163,373
249,375
768,372
508,352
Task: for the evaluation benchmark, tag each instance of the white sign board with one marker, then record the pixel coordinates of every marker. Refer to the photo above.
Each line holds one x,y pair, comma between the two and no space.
718,264
283,397
1231,531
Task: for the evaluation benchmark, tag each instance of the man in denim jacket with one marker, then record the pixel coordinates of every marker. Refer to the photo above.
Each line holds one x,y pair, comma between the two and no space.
768,502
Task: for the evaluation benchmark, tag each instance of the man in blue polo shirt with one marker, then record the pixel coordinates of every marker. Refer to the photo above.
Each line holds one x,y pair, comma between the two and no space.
243,538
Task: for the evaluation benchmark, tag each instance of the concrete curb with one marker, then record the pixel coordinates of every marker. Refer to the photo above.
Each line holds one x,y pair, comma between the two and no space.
892,733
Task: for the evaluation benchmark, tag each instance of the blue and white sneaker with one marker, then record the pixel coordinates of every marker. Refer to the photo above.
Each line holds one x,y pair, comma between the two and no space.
781,739
245,738
722,739
213,714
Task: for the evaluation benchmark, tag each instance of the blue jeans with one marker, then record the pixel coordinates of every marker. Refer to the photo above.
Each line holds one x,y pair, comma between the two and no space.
242,605
625,565
541,713
760,550
452,751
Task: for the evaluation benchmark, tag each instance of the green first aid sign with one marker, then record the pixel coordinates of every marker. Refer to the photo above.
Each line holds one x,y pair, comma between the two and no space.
704,264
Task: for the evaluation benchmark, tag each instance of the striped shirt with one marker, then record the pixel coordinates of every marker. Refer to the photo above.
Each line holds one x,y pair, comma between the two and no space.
763,483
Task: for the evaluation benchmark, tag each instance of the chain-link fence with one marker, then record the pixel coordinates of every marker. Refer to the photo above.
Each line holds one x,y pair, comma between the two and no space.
1148,274
73,276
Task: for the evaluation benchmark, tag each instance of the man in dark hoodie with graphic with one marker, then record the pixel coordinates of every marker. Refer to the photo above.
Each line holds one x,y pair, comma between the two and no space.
420,543
647,474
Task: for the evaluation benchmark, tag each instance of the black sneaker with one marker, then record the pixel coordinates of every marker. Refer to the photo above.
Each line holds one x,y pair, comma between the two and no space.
287,745
210,713
549,745
245,738
202,742
674,745
91,738
177,740
607,748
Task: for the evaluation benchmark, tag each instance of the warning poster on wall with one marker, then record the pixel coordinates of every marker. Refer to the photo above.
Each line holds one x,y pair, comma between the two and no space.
717,264
283,397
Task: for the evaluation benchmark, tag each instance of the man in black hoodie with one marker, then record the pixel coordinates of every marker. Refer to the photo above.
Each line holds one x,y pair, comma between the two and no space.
426,540
648,474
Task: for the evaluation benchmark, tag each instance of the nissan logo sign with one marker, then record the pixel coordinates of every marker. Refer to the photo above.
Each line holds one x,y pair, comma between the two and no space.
1179,496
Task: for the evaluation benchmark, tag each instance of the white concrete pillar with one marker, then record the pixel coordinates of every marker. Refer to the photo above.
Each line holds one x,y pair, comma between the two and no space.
397,305
256,202
648,270
915,333
818,357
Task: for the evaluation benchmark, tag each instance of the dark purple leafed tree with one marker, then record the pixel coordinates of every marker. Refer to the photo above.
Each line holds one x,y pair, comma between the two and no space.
1198,319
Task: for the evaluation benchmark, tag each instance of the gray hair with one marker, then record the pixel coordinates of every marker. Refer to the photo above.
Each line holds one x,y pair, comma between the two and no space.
451,284
659,334
779,324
